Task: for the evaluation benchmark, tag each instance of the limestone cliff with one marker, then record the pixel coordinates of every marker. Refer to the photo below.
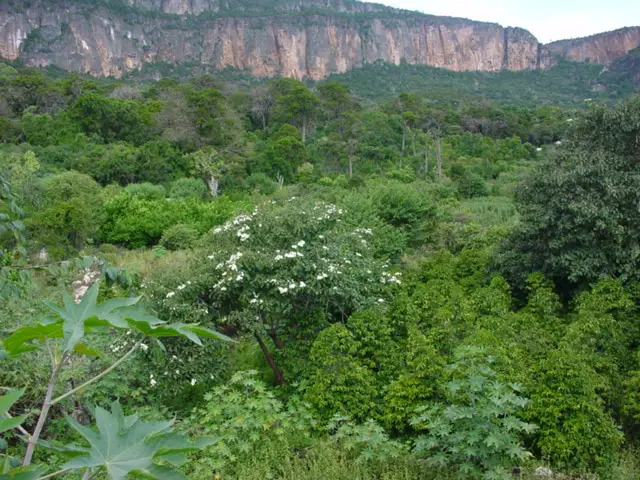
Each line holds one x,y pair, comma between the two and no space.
603,48
294,38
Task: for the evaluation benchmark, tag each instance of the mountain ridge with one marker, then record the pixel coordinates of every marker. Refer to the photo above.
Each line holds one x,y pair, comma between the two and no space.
292,38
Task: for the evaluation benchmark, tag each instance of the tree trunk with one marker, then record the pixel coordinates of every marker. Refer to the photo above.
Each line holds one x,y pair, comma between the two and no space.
350,166
279,377
213,184
276,341
439,157
404,138
426,157
413,144
304,130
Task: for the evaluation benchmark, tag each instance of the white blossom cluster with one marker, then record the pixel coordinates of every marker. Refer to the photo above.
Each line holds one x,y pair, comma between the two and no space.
229,272
326,210
389,278
291,286
239,220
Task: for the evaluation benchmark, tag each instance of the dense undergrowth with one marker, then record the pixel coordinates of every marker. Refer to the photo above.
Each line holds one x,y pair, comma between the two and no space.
421,288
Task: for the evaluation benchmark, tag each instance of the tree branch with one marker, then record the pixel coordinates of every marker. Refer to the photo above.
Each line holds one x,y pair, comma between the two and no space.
99,376
51,475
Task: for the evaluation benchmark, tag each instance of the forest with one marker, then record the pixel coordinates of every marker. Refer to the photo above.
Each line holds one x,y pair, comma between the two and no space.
279,280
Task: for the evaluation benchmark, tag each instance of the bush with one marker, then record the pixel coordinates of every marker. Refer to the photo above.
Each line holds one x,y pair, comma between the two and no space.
472,185
146,191
179,237
71,212
188,188
404,175
405,208
135,222
576,432
262,183
477,430
246,415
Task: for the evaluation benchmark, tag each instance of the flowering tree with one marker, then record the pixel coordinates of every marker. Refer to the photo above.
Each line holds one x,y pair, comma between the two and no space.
285,264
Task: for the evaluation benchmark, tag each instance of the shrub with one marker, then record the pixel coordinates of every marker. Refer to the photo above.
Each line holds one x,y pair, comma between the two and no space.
262,183
471,185
146,191
477,430
405,208
575,429
71,212
246,415
135,222
404,175
179,237
339,382
326,182
188,188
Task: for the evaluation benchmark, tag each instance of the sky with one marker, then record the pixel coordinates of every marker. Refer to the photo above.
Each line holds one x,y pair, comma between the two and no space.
548,20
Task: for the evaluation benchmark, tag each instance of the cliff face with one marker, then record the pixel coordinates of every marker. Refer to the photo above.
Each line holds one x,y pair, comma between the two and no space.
604,48
293,38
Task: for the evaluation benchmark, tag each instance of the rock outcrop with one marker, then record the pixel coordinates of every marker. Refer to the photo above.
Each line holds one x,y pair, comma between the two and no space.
604,48
293,38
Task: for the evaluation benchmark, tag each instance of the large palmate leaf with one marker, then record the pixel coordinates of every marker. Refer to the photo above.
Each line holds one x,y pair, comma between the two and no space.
72,321
125,444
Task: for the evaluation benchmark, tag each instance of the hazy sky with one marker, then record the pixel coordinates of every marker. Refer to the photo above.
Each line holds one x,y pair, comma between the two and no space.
548,20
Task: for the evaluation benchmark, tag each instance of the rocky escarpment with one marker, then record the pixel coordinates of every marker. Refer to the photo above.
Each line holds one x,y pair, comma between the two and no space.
603,48
294,38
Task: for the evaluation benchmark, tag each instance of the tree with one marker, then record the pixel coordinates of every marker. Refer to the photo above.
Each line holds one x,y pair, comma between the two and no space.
335,99
407,106
580,217
71,211
307,263
113,118
262,102
295,103
207,163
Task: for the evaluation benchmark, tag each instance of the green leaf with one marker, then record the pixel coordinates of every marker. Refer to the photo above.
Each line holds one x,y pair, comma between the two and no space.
23,473
72,321
16,343
6,401
192,332
83,349
126,445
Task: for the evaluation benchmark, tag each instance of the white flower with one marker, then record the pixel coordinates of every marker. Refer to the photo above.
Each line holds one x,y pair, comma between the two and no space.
182,287
321,237
253,300
170,294
283,289
301,243
292,286
177,372
302,284
358,255
211,257
153,382
193,382
223,289
145,348
380,300
279,257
